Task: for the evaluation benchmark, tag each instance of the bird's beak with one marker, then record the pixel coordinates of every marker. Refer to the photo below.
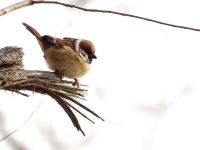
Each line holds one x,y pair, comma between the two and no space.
94,56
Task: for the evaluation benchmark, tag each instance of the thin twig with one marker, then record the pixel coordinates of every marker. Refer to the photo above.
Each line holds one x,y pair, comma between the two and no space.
79,104
25,122
32,2
116,13
79,112
20,93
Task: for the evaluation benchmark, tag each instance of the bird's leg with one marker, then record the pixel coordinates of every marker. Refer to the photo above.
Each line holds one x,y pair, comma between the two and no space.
59,75
76,83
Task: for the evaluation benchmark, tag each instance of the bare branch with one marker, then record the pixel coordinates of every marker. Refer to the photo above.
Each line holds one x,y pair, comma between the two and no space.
32,2
14,78
15,7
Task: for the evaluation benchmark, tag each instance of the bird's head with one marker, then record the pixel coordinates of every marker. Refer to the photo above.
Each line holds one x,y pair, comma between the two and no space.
88,47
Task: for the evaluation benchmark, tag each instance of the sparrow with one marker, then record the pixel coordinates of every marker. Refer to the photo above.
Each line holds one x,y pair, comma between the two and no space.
68,57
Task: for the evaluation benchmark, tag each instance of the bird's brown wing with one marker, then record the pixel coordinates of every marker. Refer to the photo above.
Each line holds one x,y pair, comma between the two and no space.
70,39
64,42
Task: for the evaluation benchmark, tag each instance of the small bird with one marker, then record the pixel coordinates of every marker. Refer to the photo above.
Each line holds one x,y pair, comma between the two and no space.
68,57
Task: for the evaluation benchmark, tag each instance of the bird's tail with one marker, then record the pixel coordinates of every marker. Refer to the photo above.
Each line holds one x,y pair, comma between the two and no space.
33,31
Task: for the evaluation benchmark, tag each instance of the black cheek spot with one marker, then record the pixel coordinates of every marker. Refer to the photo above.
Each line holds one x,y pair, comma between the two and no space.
47,39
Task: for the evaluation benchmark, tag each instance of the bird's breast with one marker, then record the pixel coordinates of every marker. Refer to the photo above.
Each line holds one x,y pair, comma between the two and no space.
66,61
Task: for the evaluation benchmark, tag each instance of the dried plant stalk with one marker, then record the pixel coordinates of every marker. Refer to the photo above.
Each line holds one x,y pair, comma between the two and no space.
14,78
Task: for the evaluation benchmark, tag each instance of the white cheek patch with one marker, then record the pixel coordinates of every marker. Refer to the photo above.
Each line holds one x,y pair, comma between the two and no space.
77,45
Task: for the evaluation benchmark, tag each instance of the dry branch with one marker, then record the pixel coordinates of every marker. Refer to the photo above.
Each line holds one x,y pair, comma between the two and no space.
14,78
32,2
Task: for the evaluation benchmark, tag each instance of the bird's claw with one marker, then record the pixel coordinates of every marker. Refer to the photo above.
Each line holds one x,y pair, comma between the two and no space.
59,75
76,83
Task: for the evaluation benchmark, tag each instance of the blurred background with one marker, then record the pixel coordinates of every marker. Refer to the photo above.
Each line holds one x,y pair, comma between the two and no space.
145,82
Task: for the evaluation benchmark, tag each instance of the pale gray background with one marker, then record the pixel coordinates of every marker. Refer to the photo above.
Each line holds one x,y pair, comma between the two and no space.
145,82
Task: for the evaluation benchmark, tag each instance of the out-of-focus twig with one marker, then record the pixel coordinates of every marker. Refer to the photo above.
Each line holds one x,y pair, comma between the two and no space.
11,133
